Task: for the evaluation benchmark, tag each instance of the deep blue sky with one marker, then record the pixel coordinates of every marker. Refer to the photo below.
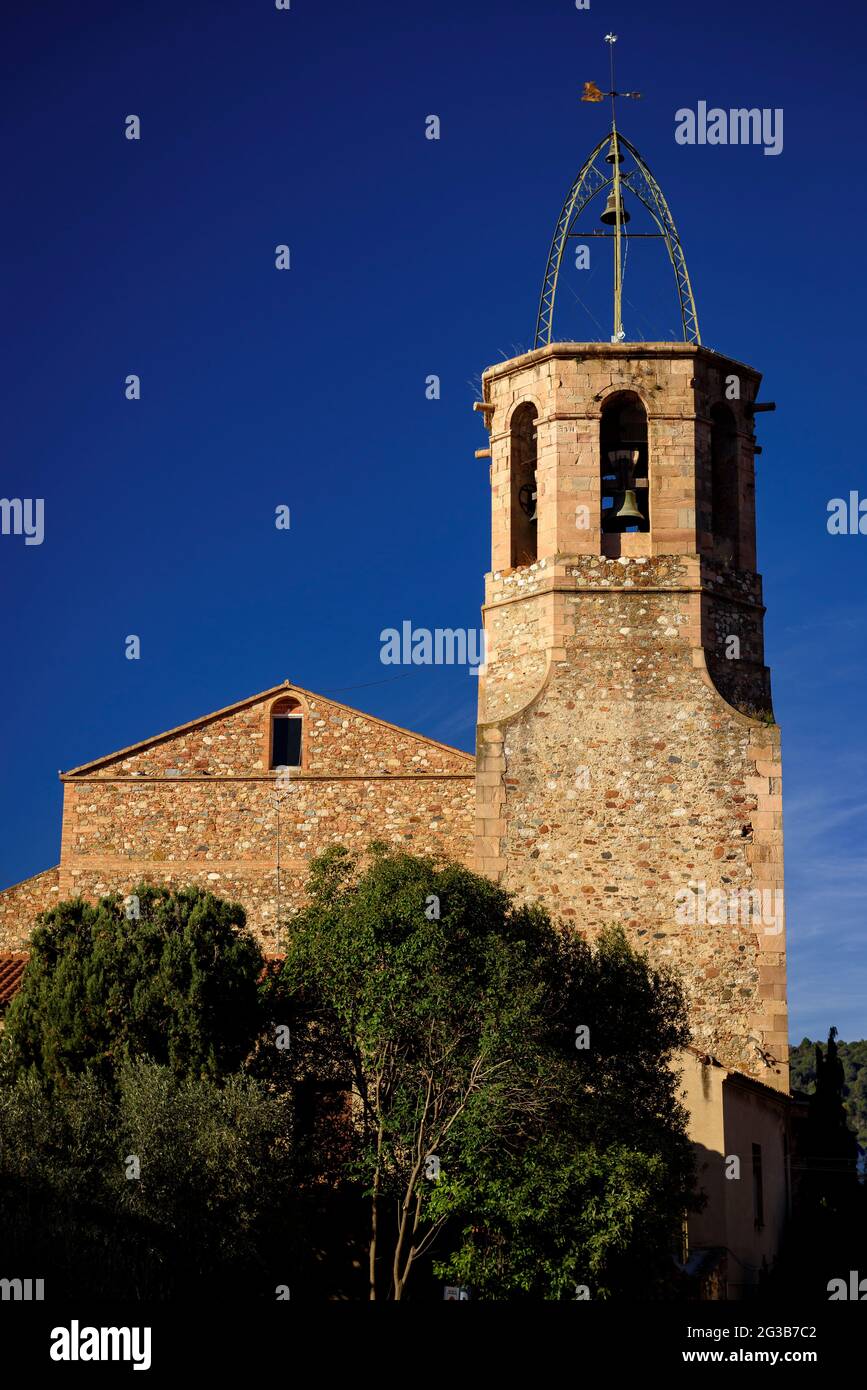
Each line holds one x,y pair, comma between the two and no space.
409,257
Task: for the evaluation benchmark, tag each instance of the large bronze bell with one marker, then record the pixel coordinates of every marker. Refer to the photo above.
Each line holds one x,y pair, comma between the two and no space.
609,216
627,513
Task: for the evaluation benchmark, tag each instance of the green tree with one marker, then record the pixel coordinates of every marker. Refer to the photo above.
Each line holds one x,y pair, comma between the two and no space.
828,1232
214,1162
171,976
149,1187
853,1058
481,1128
137,1152
591,1192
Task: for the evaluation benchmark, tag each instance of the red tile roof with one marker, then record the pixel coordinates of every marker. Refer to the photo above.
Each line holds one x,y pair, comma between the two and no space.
12,965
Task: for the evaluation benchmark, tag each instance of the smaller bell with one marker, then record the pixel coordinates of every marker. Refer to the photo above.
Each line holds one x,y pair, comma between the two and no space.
527,501
609,216
627,513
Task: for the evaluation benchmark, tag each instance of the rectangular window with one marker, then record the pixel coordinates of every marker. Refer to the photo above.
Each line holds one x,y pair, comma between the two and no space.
286,741
758,1194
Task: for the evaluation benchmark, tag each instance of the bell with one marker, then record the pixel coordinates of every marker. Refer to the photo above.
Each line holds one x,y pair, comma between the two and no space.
627,513
527,501
623,456
609,216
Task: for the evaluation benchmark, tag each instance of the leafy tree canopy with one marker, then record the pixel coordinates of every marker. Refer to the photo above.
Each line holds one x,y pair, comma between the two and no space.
172,976
149,1188
498,1092
525,1162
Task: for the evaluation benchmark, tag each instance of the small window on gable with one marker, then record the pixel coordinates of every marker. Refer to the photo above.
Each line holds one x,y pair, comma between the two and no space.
286,731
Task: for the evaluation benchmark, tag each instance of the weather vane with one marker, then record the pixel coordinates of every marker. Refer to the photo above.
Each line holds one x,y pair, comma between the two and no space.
592,93
594,178
614,213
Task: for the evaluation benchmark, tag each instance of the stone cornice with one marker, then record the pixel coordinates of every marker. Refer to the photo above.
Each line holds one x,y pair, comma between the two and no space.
623,351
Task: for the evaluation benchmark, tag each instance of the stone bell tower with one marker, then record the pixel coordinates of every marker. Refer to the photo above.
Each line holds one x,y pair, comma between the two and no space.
628,760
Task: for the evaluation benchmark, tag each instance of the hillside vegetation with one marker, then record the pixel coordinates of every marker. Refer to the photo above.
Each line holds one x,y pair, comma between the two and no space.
853,1056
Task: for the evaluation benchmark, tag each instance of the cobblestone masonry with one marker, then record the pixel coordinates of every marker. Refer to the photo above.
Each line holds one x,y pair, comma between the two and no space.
200,805
20,904
615,774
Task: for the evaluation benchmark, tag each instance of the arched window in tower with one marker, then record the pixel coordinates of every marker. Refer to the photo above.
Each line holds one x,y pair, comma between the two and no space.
725,516
523,467
625,490
286,731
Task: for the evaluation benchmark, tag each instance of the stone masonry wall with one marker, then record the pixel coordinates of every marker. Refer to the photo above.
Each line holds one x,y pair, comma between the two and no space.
234,742
626,780
200,805
732,607
618,778
20,905
224,835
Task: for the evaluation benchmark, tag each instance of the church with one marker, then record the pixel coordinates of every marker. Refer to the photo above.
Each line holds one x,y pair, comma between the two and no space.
628,762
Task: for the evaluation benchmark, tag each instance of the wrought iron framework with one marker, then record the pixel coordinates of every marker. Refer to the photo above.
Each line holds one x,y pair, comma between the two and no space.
640,182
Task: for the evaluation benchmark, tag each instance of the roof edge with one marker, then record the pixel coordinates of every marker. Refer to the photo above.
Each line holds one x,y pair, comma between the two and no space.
734,1074
31,878
571,349
242,704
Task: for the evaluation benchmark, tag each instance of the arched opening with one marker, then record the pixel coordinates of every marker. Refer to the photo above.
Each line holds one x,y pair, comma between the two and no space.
523,502
625,483
285,742
725,514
